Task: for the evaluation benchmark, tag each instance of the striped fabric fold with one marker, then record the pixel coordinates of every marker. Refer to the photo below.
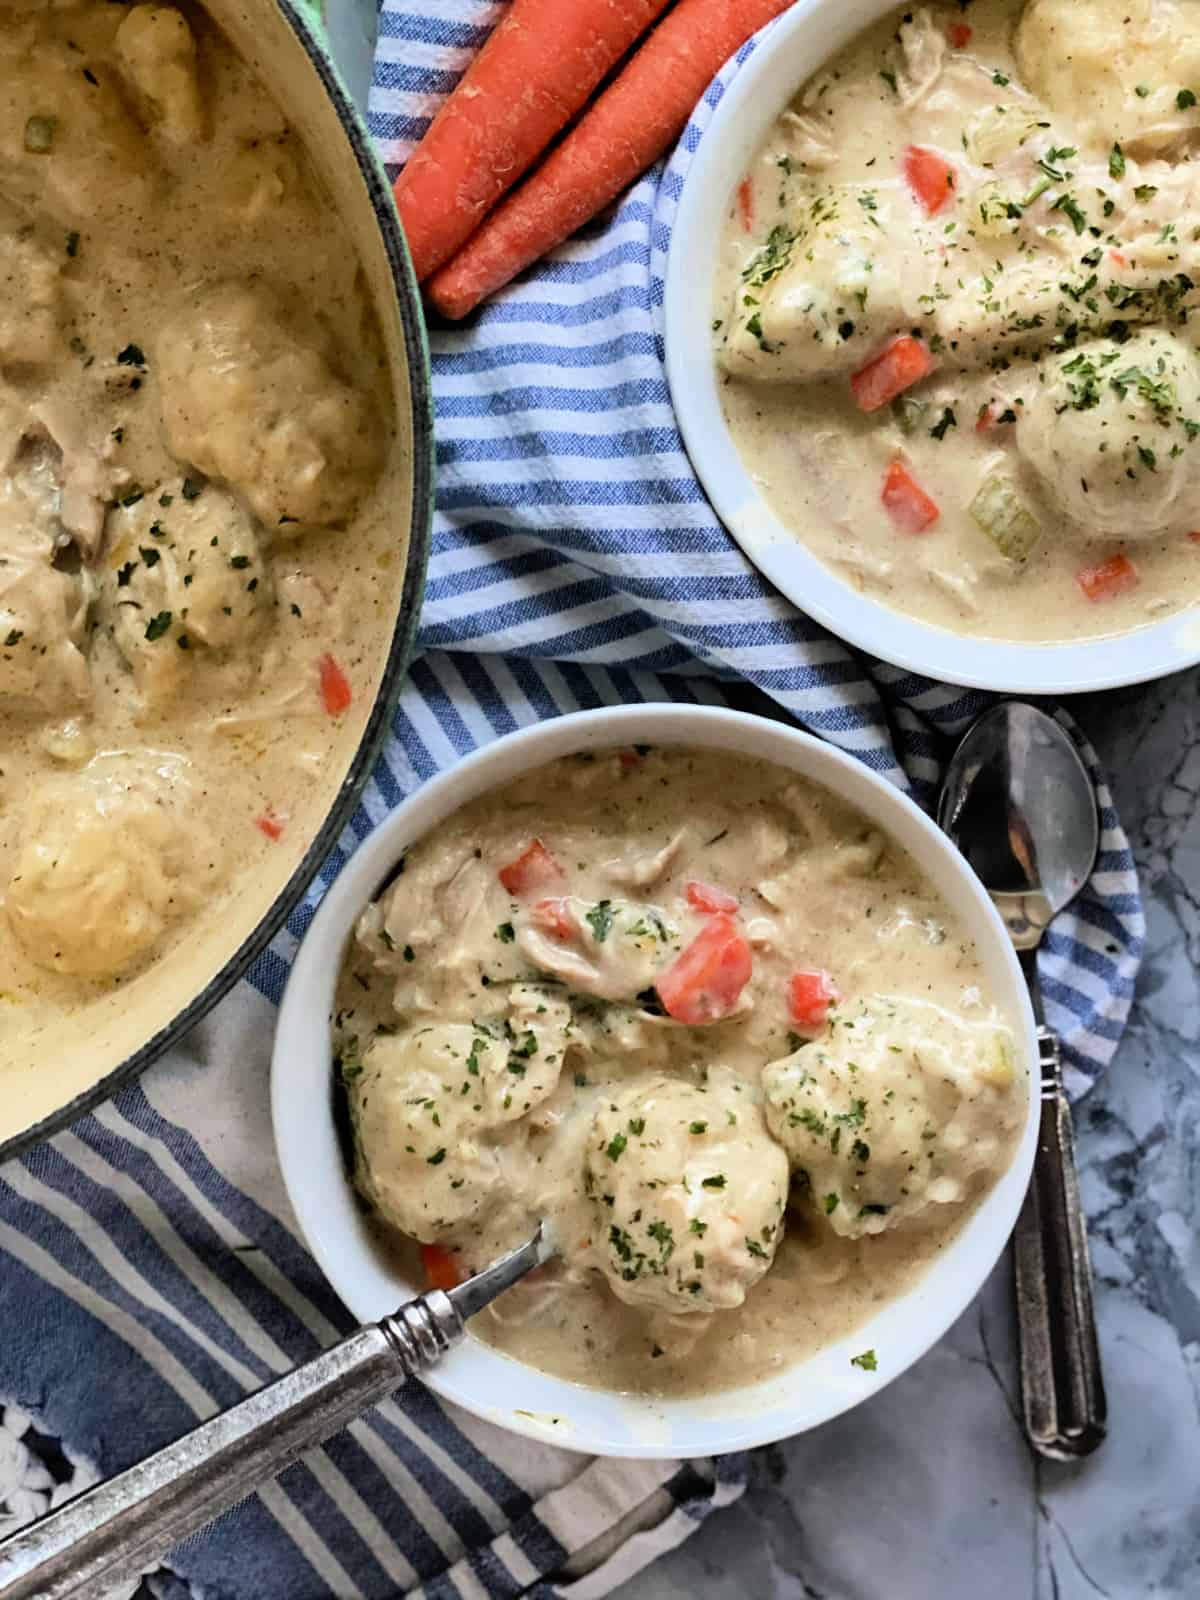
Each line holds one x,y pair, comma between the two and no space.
151,1270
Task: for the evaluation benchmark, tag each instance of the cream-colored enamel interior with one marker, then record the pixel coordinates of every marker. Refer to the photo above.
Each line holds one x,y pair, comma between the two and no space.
209,227
1051,279
719,1031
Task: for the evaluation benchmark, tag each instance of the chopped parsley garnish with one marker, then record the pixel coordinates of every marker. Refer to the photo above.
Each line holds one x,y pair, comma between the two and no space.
132,356
697,1227
72,244
756,1249
616,1147
600,920
239,563
409,953
1185,100
1142,91
945,422
717,1181
890,79
436,1159
148,554
1116,162
698,1127
767,262
866,1360
506,933
831,1204
1001,80
125,573
158,625
191,489
1068,204
527,1047
637,1126
1145,191
14,637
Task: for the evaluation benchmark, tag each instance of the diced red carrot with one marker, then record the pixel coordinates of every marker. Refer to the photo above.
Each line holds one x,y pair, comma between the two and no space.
705,897
745,204
1121,260
533,872
904,500
1107,579
810,995
633,122
959,34
553,917
537,69
1195,536
440,1266
335,687
270,824
706,979
985,419
629,759
930,177
903,362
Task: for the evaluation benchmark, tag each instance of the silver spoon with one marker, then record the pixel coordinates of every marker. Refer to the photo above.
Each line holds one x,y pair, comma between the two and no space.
113,1532
1018,802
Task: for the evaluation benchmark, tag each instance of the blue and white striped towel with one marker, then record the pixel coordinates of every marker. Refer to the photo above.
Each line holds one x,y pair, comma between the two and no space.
150,1267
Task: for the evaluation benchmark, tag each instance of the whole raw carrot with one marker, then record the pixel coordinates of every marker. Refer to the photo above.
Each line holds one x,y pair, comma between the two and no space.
538,67
626,131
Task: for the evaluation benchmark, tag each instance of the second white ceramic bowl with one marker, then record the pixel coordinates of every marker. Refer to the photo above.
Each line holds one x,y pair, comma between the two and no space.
479,1378
789,53
492,1385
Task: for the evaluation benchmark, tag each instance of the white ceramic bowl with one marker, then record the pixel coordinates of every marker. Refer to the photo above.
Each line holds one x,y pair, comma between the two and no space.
791,51
492,1385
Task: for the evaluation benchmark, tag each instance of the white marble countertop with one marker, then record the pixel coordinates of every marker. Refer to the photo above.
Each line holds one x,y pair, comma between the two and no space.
929,1492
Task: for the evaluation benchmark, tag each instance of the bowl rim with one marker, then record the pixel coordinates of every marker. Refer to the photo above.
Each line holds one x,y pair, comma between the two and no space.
400,647
495,1387
811,32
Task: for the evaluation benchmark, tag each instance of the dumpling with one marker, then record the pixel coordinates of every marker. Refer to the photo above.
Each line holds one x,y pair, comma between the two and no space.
823,292
1111,431
107,859
893,1111
432,1108
1115,68
689,1192
250,401
69,146
186,583
158,57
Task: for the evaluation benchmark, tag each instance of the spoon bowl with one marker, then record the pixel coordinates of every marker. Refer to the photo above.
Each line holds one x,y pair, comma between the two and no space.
1019,803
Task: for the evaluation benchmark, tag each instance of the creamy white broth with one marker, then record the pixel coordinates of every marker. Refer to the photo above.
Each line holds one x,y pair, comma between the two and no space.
196,459
1053,292
731,1194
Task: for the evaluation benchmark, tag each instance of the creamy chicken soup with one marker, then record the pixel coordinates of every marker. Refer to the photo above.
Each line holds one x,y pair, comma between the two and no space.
705,1019
955,320
195,441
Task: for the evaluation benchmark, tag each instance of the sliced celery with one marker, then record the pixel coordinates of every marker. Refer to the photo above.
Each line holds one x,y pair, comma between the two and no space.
1002,513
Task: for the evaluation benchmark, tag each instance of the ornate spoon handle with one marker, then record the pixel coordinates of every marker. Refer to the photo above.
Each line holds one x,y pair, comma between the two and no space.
1062,1385
116,1530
